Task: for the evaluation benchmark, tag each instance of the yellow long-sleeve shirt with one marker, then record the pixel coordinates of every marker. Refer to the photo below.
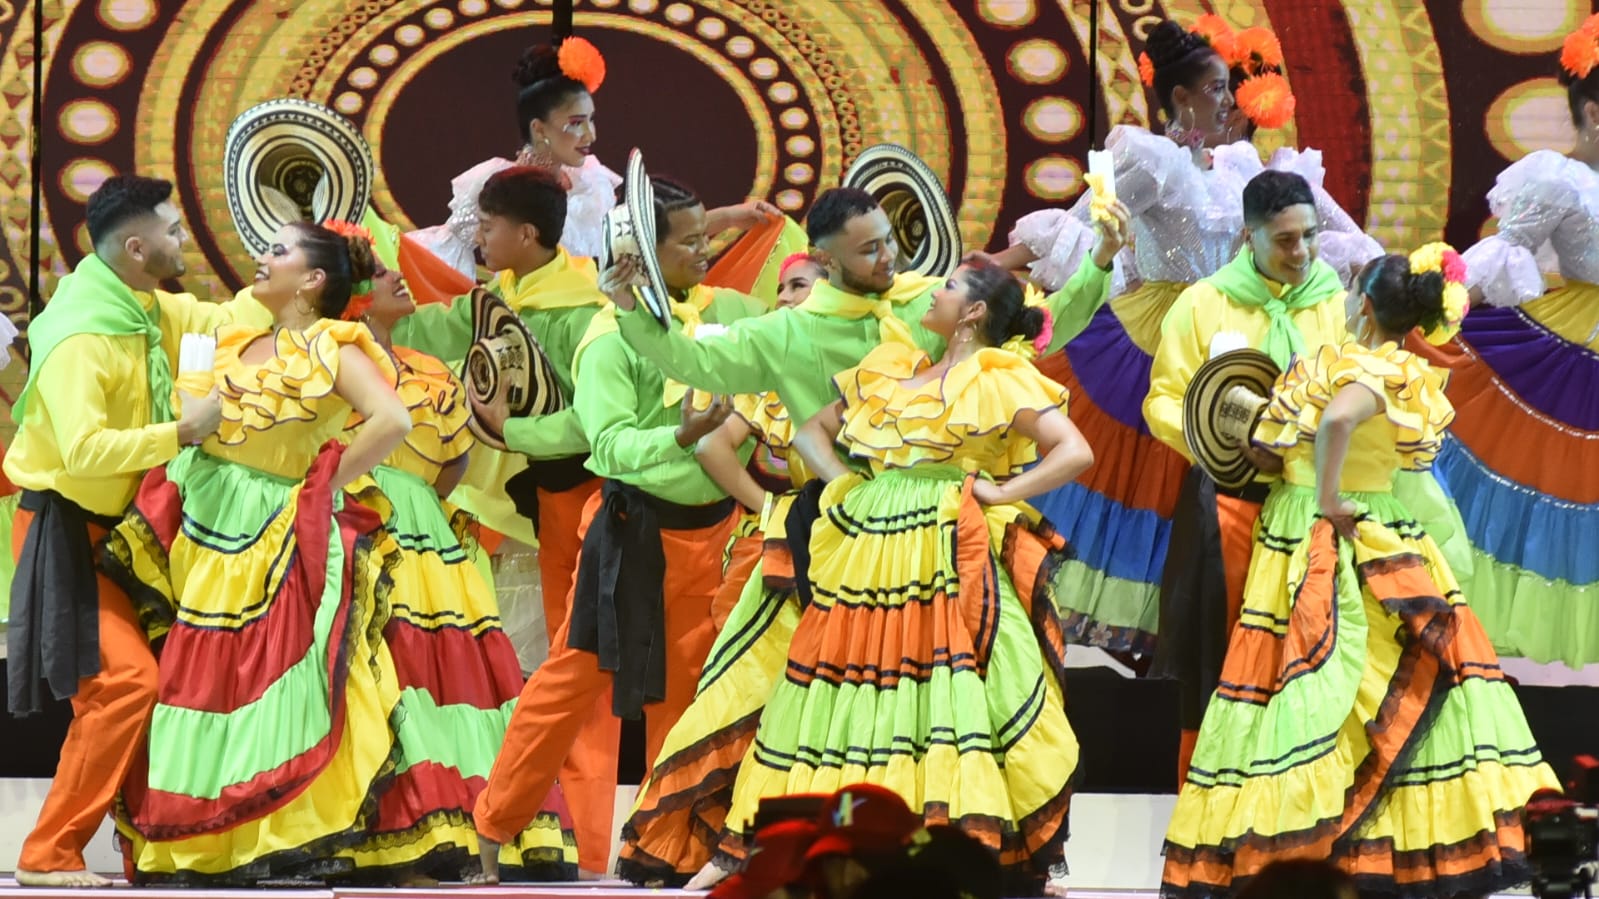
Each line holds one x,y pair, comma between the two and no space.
87,434
1199,314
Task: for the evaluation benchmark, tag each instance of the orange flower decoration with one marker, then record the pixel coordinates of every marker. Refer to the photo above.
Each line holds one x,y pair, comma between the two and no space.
1210,25
1258,50
1580,53
347,229
1146,70
1267,100
581,61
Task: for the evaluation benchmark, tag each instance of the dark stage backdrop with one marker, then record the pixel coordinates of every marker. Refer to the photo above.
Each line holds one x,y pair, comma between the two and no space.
1417,105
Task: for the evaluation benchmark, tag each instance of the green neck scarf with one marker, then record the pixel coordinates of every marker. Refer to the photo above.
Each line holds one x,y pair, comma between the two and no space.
93,300
1242,283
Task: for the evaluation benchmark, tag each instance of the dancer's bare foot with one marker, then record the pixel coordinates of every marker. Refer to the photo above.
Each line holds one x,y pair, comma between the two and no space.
709,876
489,854
1054,887
82,879
585,874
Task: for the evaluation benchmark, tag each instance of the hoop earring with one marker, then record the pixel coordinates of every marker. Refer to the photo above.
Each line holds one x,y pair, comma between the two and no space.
539,154
1185,135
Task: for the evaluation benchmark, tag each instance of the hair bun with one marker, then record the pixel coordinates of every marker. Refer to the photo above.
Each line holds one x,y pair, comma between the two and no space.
363,265
538,63
1029,322
1170,43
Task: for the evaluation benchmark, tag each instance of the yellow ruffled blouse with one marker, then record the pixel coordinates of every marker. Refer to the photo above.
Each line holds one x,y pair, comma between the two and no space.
289,395
439,412
770,423
1406,434
963,418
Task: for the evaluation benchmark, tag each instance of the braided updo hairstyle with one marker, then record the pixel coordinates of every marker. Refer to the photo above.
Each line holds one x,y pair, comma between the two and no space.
343,261
1180,58
1008,314
541,87
1400,300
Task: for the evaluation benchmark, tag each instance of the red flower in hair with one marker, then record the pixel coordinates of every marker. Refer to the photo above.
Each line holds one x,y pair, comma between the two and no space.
581,61
1454,267
1267,100
347,229
1580,53
1146,70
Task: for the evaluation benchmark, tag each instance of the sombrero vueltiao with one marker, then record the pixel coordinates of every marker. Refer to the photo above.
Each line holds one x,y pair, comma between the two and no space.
290,160
1220,409
630,232
917,205
505,359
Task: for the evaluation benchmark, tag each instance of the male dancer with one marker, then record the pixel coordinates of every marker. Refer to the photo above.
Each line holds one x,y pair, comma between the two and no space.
1278,296
95,415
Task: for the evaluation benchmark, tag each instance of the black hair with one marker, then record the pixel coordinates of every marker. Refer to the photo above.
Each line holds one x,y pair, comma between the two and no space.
1272,191
122,199
1008,314
943,862
541,88
343,261
670,196
832,211
1236,77
1401,300
1299,878
1580,91
528,195
1180,58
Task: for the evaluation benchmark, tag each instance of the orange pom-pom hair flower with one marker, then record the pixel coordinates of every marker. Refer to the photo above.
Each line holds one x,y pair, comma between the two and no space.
1146,70
1210,25
360,291
1267,100
1580,53
581,61
1257,51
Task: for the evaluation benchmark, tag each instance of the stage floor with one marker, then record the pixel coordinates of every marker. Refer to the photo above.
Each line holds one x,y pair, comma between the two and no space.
603,889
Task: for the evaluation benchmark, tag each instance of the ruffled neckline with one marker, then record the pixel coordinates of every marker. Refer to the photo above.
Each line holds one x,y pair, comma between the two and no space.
290,385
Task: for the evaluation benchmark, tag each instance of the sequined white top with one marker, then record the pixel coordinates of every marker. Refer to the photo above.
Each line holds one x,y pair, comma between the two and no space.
1548,209
593,194
1187,221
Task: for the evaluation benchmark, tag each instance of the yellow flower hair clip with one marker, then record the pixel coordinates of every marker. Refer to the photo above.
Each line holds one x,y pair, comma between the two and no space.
1441,258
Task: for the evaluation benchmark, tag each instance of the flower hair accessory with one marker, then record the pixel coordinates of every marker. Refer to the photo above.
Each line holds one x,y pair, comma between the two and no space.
581,61
1255,53
1442,258
1033,298
1580,53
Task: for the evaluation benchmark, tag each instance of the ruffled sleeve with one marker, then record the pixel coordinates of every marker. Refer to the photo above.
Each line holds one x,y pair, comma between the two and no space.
593,194
1411,391
1531,199
767,417
295,383
437,402
1343,244
453,241
976,401
1060,238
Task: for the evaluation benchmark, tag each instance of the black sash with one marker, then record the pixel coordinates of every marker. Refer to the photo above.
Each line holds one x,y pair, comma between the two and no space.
54,634
549,475
619,606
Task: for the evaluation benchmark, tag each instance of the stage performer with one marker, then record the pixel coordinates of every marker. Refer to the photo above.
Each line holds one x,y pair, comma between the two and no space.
1520,458
1362,715
639,613
946,443
96,412
458,673
1277,296
555,114
272,735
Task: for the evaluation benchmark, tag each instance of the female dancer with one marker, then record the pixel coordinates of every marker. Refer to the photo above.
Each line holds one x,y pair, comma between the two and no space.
274,730
458,673
1520,459
927,658
1362,715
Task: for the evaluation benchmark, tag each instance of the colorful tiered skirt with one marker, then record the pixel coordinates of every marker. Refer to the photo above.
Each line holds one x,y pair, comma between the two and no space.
273,734
1117,515
459,679
928,662
1361,717
1522,463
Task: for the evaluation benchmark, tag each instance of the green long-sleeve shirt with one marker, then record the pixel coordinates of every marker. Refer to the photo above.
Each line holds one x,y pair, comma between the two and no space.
556,302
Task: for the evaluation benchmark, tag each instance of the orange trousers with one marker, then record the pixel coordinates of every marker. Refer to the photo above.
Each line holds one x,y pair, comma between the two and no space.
588,776
110,720
1237,520
559,699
